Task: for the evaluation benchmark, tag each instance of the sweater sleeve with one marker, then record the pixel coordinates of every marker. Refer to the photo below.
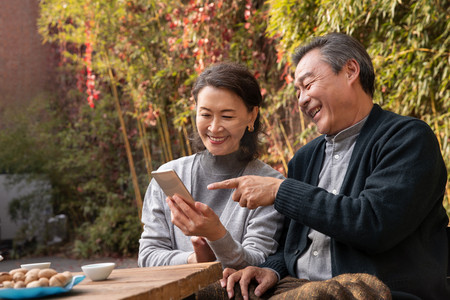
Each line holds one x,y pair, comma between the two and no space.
276,261
156,246
391,188
251,236
260,239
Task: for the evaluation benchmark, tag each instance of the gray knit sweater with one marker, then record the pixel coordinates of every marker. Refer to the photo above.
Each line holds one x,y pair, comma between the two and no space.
252,234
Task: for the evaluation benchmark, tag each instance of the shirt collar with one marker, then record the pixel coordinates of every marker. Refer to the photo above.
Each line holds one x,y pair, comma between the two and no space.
347,132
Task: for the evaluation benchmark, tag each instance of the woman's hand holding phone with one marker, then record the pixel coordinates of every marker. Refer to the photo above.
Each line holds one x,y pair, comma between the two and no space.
196,220
193,218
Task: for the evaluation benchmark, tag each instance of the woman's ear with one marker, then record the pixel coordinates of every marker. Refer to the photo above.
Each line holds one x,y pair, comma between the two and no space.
255,111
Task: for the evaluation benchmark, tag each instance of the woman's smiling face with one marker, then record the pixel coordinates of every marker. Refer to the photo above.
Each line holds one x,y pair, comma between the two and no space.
222,119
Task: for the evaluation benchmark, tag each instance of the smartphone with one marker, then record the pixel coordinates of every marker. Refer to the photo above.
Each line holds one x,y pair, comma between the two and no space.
171,184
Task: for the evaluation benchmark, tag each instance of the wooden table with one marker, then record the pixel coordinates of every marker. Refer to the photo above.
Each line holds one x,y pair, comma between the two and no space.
168,282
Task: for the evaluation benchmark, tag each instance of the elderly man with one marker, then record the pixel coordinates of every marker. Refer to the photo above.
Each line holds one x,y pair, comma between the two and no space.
366,197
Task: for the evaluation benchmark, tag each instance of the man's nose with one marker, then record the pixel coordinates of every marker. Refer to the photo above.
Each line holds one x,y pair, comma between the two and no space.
303,99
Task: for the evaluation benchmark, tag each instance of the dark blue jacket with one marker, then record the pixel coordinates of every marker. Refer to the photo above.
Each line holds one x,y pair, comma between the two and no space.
388,219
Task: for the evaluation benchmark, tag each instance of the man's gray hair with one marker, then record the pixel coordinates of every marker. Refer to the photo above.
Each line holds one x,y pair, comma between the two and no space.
337,49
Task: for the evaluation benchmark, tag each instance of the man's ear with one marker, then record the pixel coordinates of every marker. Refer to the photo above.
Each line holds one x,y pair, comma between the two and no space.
352,70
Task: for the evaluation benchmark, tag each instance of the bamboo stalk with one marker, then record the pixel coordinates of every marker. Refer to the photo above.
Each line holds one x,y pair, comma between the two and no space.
433,109
291,152
166,135
162,139
186,137
436,127
302,124
182,148
275,142
145,148
148,148
137,192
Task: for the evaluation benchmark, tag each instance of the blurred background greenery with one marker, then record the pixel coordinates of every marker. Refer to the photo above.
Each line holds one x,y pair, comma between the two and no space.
122,105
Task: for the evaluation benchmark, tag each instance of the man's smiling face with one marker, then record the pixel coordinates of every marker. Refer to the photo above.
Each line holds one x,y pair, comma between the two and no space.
325,97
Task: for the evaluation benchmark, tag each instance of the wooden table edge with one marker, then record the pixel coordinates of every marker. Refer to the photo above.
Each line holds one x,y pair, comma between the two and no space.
203,274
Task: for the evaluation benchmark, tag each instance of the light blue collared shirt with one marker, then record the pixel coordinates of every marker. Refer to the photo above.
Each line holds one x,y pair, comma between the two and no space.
315,262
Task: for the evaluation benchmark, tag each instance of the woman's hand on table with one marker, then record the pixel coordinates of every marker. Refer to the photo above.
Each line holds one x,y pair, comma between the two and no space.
197,220
202,251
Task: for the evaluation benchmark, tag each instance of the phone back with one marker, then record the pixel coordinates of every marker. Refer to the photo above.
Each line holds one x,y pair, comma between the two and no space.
171,184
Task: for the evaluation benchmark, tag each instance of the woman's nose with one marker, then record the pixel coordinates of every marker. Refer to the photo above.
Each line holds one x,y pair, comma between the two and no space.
215,125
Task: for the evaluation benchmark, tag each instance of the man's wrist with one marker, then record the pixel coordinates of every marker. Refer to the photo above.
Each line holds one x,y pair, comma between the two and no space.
276,188
276,273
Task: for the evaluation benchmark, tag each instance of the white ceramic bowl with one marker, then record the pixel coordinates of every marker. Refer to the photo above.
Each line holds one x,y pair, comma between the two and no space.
42,265
99,271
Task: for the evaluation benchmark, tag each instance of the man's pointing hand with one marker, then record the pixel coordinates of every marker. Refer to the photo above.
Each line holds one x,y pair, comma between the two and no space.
251,191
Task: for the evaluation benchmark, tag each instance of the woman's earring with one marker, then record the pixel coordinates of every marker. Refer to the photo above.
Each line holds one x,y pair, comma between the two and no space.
250,128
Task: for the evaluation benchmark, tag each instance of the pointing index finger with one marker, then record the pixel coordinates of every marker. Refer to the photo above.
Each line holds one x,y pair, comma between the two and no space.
226,184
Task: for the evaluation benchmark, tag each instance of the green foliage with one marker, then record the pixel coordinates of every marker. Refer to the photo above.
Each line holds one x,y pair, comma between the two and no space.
409,42
27,141
95,190
156,49
80,153
114,232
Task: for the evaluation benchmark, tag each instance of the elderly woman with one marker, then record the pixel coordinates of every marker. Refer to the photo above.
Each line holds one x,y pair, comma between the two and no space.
227,99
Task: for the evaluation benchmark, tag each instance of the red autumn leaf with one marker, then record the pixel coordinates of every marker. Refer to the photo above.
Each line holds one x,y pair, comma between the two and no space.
280,56
90,100
247,14
288,78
